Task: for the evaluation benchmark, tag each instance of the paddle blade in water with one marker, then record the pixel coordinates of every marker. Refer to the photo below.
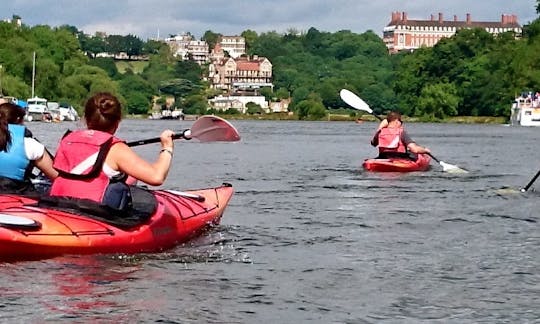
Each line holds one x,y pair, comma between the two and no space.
450,168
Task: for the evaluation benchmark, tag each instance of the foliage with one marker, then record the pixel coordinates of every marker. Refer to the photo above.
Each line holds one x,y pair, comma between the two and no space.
472,73
253,108
194,105
438,100
211,38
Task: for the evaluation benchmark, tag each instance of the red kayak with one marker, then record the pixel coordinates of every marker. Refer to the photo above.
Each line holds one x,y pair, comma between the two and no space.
398,164
29,230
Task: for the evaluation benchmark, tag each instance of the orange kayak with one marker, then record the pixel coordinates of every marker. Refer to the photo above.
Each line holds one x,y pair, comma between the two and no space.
398,164
29,230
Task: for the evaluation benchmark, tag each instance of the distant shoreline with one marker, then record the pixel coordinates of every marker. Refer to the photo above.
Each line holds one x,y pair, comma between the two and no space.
365,118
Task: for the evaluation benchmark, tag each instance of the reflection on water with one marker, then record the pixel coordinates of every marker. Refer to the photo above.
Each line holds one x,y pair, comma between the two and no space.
309,236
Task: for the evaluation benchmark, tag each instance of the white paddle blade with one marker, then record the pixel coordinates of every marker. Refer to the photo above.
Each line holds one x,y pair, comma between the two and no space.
450,168
354,101
213,129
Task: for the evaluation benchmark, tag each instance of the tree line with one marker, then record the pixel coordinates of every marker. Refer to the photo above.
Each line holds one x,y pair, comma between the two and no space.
472,73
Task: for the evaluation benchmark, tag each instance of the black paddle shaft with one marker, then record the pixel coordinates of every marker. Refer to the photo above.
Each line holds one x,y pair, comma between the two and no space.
157,139
531,182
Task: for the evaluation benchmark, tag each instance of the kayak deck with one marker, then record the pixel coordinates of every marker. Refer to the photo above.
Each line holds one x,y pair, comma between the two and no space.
398,164
28,231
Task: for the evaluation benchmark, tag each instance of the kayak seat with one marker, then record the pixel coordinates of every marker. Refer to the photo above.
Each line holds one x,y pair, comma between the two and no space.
143,207
398,155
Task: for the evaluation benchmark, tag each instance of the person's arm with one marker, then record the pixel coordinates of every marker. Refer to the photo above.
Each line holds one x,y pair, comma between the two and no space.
415,148
411,145
45,164
123,158
38,154
375,139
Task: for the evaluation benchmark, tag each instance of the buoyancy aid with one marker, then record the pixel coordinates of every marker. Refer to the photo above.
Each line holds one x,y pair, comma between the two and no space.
390,140
79,162
14,162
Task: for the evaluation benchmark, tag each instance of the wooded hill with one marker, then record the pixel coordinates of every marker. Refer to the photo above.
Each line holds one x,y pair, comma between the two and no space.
470,74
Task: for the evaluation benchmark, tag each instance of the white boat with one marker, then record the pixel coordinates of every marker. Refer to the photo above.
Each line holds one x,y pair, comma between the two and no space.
37,107
525,111
67,112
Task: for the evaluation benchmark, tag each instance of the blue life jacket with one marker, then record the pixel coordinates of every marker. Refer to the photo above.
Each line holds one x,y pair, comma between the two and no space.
14,162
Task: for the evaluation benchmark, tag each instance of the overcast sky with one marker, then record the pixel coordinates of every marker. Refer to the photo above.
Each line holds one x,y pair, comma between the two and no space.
147,18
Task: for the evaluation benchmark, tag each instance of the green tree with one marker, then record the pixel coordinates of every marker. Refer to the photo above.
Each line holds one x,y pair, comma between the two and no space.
438,100
178,88
210,38
195,105
138,93
250,37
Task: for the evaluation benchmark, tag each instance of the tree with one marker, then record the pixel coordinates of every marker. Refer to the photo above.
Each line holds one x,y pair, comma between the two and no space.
438,100
210,38
195,105
253,108
310,109
250,37
138,93
178,88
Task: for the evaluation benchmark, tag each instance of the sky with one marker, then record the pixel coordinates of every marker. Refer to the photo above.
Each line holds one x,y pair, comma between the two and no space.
150,19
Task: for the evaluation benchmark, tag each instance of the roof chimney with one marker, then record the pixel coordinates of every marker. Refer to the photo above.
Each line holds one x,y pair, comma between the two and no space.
404,17
440,17
455,17
468,18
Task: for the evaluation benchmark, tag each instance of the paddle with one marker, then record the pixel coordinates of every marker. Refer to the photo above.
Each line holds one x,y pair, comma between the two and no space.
530,182
357,103
205,129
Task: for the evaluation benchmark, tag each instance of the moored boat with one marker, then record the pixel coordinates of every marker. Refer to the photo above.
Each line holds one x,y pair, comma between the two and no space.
36,229
398,164
525,110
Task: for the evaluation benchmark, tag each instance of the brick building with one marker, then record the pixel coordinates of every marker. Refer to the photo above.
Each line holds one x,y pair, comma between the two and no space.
403,33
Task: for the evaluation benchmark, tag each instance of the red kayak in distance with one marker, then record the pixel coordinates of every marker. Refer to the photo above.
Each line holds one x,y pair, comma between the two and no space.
398,164
31,231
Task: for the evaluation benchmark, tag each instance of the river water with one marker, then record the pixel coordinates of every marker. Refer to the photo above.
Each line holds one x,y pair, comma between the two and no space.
310,237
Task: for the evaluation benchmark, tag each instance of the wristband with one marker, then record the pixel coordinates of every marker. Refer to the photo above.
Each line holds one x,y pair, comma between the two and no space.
168,150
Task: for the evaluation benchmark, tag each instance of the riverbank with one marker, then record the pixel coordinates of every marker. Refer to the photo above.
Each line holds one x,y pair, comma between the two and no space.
361,119
369,118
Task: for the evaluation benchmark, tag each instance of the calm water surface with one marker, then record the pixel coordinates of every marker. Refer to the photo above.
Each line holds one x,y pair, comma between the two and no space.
310,237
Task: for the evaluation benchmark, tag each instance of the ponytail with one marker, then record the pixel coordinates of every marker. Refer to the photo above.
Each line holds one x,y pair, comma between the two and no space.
5,135
9,114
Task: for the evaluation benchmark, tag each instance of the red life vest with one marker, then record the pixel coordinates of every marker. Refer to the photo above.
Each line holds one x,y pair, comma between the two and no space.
390,140
79,162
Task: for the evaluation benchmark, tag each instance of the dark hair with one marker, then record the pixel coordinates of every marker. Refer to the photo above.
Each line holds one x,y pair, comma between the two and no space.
102,112
9,114
393,115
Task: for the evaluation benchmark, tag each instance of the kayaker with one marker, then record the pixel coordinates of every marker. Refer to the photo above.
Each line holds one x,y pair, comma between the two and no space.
19,152
93,164
394,141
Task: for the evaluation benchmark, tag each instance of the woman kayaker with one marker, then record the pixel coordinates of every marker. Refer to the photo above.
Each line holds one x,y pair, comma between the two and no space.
19,152
394,141
94,164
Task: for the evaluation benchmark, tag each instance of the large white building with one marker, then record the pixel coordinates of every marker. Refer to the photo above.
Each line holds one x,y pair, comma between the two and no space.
187,48
403,33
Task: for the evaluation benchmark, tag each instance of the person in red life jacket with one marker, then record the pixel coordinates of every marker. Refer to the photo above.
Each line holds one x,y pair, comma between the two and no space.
394,141
93,164
19,153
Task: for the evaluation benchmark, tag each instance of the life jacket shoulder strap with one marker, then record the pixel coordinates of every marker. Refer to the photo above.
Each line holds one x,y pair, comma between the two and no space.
96,168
